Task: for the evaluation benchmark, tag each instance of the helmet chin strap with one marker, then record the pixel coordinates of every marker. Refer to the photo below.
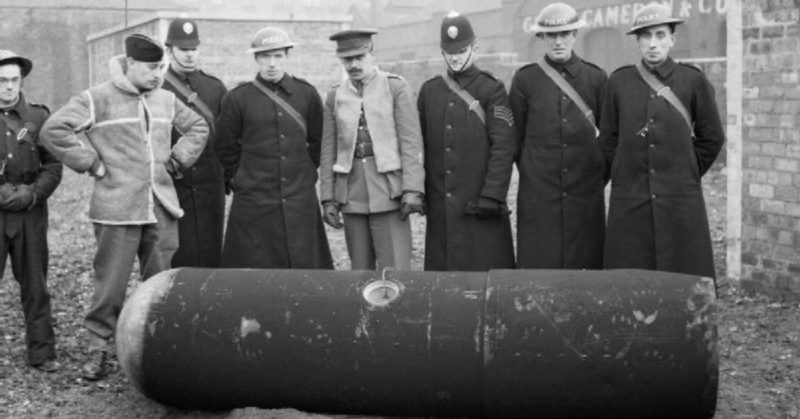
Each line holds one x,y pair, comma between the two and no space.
462,65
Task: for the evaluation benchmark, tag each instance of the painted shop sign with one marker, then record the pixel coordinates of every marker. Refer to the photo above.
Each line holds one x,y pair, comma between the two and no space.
622,14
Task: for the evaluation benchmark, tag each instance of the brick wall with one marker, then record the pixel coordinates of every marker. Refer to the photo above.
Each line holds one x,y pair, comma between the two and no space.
55,40
771,147
223,46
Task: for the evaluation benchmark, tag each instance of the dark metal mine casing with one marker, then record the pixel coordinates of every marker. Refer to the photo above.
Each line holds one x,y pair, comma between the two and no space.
507,343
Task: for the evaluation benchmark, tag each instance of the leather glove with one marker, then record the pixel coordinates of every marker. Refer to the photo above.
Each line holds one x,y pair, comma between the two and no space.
174,168
6,190
486,208
331,214
412,201
21,198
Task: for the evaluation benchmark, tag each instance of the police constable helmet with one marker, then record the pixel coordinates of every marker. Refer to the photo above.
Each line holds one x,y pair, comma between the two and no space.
557,17
652,15
182,33
456,33
8,57
269,39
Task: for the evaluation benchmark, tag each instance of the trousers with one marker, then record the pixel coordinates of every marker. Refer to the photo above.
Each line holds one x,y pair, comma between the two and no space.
25,240
381,238
117,247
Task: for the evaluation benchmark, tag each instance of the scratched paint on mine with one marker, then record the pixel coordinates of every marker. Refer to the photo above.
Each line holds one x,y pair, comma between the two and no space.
249,326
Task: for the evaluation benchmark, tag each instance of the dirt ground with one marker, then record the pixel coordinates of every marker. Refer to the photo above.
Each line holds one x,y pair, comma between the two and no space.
759,338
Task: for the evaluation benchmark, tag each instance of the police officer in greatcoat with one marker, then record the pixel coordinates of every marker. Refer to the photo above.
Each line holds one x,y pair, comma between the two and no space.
201,189
556,103
661,132
268,140
372,157
469,136
28,176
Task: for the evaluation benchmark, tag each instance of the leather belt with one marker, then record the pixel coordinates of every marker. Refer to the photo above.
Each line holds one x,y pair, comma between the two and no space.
364,149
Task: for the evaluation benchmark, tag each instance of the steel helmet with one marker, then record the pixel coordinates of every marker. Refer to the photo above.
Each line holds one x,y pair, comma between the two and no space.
8,56
651,15
270,38
557,17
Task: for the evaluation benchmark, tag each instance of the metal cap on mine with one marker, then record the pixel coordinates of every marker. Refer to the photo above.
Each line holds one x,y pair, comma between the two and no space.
269,39
456,33
8,56
352,42
182,33
557,17
652,15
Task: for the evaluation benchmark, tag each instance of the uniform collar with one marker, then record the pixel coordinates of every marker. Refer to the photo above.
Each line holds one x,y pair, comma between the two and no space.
570,66
366,80
180,74
20,108
463,78
286,83
664,69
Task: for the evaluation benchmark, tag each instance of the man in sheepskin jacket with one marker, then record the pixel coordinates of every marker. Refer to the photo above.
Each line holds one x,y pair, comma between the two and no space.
119,132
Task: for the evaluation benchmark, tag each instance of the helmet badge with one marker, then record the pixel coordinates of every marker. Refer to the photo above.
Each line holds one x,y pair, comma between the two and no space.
188,28
452,32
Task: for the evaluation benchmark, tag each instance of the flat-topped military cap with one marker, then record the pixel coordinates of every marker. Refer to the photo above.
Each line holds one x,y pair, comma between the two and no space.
352,42
653,14
182,33
143,48
456,33
8,56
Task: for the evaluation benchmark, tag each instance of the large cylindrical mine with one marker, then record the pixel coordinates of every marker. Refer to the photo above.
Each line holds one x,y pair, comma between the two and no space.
623,343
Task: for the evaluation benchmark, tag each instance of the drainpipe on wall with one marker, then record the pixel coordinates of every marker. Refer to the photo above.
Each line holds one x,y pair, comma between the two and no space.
733,82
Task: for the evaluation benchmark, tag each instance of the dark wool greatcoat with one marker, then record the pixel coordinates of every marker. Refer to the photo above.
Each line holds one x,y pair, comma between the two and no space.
464,160
560,201
201,191
274,220
657,217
